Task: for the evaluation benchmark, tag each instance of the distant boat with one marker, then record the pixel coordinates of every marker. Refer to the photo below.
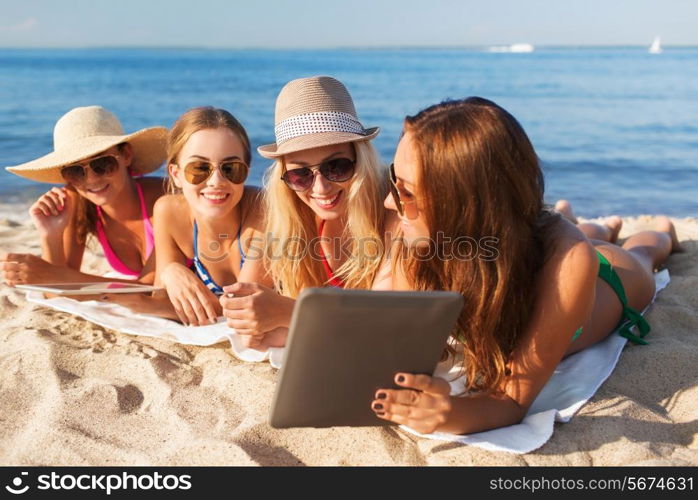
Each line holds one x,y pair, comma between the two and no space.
518,48
656,47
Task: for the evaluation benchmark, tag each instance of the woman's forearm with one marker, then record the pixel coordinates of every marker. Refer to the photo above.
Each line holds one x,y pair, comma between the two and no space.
52,251
482,412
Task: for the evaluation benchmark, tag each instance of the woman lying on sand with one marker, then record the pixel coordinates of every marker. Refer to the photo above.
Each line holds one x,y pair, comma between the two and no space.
97,162
466,168
323,198
200,230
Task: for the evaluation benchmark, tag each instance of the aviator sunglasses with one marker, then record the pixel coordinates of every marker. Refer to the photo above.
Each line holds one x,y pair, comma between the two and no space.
406,209
198,171
335,170
101,166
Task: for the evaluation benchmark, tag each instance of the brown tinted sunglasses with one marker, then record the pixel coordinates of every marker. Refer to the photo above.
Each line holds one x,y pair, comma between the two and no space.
196,172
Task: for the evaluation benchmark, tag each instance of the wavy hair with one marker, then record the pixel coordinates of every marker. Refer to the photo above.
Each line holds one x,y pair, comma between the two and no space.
478,176
291,229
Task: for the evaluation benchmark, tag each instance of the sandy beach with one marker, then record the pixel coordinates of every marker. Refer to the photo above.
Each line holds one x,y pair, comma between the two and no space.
74,393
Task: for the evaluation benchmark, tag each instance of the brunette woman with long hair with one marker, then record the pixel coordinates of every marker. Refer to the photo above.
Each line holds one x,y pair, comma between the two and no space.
466,169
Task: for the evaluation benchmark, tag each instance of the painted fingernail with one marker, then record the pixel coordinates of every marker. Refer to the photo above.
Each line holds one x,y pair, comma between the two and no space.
381,395
377,406
401,378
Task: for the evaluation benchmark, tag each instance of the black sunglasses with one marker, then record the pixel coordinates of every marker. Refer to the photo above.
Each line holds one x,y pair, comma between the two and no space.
335,170
407,208
104,165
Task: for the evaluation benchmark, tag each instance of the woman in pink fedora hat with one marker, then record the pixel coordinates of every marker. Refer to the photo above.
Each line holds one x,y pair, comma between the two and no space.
323,202
97,162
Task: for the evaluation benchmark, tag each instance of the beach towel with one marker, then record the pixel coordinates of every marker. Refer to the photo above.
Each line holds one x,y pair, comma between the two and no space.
122,319
573,383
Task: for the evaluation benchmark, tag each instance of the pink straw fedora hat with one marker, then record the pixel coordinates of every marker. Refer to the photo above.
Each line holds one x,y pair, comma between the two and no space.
87,131
314,112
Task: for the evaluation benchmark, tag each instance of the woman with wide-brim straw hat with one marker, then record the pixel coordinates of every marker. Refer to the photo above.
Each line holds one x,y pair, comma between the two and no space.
97,162
323,199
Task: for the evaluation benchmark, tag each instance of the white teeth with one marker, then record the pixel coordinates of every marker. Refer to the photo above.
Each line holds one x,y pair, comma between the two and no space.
327,202
215,196
96,190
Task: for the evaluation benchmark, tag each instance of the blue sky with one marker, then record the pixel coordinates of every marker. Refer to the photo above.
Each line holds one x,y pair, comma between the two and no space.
346,23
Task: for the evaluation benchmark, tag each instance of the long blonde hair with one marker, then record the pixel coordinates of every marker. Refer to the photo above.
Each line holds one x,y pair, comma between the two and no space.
290,228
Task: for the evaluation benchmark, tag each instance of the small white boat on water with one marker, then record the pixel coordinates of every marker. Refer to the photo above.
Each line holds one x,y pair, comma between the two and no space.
656,47
517,48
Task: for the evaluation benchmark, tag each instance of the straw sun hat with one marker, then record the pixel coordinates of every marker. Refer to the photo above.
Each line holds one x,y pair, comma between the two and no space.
87,131
314,112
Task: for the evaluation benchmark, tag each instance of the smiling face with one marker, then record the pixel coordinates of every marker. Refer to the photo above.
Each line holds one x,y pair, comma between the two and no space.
106,189
326,198
415,231
216,196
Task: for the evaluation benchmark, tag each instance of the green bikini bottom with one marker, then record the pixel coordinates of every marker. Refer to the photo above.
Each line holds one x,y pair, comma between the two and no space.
630,316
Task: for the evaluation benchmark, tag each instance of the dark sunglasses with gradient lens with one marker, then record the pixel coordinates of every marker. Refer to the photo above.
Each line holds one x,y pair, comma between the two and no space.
406,208
104,165
335,170
199,171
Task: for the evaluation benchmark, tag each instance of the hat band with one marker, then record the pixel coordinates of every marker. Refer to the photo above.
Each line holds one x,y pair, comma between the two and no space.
313,123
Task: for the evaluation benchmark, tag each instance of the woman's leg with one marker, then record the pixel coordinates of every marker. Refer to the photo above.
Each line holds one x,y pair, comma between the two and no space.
634,263
608,231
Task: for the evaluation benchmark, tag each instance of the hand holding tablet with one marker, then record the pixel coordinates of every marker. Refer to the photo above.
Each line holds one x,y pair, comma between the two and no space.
344,345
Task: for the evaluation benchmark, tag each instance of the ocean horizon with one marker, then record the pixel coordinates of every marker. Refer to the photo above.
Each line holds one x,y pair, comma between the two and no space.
614,126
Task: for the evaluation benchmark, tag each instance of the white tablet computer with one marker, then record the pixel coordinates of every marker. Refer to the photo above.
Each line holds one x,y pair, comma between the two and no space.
343,345
89,288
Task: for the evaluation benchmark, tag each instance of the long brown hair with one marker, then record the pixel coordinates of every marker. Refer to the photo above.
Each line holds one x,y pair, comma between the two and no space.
202,118
478,176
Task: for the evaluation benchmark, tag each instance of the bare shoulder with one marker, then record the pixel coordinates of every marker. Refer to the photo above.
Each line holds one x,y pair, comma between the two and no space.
572,263
171,207
252,208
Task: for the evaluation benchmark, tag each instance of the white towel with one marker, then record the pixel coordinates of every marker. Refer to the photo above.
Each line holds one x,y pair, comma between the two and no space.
122,319
574,382
559,400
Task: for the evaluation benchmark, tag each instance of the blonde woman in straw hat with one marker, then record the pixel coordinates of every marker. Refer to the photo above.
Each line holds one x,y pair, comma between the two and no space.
324,215
203,228
97,162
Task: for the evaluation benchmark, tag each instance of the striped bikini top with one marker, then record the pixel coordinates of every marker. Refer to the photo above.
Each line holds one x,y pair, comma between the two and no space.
201,271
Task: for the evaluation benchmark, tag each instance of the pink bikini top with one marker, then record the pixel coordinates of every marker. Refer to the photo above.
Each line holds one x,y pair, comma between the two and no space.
112,258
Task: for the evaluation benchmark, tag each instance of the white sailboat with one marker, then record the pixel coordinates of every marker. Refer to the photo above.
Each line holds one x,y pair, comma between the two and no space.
517,48
656,47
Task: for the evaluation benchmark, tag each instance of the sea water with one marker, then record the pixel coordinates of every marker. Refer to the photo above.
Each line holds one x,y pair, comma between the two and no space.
616,129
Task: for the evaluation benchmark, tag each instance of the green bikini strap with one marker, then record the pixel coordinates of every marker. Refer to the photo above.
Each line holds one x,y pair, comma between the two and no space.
608,274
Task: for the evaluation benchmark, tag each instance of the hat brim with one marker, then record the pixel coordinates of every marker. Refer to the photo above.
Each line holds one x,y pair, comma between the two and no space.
149,147
318,140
